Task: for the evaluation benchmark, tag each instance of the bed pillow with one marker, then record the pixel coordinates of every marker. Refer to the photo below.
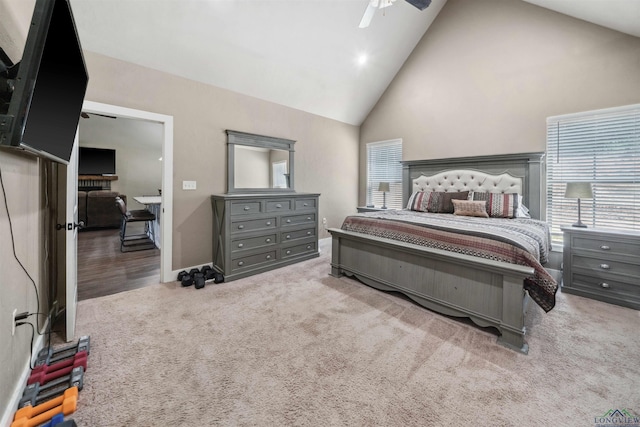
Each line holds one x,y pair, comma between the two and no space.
470,208
522,211
425,201
447,206
415,201
499,205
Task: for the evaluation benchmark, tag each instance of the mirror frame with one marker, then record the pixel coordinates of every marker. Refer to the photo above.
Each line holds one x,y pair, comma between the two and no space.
252,140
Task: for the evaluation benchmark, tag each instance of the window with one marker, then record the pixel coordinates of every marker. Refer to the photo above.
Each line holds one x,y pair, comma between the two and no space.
279,174
600,147
383,165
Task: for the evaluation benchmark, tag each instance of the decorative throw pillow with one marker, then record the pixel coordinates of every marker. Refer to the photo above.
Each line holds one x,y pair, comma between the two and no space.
447,206
434,201
415,201
470,208
499,205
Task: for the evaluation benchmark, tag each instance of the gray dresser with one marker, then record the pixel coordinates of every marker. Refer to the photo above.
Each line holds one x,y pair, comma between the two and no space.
602,264
253,233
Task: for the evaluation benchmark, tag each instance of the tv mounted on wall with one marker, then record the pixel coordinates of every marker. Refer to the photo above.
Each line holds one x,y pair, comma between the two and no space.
41,96
96,161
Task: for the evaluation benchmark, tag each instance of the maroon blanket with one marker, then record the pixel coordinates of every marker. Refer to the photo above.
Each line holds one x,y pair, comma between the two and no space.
517,241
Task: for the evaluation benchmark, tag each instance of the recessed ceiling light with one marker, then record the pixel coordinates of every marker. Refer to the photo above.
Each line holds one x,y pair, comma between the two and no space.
362,59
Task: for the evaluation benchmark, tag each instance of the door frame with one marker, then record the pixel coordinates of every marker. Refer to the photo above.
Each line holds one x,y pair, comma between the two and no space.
166,221
71,243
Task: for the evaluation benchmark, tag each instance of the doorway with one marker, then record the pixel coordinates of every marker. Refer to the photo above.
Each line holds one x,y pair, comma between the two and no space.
102,268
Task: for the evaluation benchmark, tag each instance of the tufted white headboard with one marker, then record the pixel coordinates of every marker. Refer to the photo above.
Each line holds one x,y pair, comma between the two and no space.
522,173
467,179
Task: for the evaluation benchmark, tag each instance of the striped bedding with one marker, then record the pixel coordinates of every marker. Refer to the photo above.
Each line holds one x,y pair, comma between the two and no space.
520,241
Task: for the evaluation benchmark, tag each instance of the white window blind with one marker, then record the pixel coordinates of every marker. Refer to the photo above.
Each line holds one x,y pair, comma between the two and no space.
383,165
600,147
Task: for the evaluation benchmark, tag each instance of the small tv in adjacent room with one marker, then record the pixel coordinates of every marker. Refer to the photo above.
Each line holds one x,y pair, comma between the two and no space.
96,161
41,95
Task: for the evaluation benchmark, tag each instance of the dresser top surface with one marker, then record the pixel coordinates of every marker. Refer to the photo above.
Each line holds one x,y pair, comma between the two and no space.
601,231
240,196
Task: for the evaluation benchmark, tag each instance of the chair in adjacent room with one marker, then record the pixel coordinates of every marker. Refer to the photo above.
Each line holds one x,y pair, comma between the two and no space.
139,241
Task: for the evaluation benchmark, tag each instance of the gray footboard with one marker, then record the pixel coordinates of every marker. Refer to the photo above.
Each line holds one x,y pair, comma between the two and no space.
488,292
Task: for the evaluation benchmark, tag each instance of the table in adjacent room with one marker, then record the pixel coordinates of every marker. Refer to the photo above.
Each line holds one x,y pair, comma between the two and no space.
153,205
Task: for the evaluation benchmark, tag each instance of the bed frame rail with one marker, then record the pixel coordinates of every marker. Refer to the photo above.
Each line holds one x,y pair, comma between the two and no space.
488,292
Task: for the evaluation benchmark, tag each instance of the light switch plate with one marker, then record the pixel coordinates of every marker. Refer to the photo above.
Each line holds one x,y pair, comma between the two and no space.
188,185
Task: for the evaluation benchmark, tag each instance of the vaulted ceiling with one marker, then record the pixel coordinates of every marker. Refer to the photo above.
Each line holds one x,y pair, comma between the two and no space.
306,54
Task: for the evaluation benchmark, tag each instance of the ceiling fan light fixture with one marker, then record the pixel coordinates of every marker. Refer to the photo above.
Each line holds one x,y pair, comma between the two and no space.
420,4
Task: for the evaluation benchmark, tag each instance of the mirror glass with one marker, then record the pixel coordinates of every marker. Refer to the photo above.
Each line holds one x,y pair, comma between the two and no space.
258,163
257,167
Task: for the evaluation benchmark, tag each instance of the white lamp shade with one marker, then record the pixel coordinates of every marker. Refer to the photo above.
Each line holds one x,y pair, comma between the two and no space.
578,190
383,186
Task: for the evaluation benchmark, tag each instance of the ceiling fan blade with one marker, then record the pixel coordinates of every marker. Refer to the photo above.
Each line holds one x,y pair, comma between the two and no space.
368,15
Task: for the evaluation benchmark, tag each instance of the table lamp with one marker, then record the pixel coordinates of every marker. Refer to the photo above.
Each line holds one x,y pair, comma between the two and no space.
384,187
578,190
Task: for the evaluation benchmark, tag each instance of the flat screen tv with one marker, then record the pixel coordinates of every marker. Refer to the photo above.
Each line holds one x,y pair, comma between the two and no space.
44,91
96,161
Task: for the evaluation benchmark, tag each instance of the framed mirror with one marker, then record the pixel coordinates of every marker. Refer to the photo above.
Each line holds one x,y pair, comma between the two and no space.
259,164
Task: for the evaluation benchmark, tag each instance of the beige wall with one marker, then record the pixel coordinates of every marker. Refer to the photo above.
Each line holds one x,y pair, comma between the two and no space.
326,150
22,183
488,73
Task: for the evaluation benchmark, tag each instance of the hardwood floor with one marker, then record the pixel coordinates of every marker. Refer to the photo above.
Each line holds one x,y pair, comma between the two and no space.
104,270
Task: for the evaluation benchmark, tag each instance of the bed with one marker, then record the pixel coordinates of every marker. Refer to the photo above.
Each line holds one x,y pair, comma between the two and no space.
481,284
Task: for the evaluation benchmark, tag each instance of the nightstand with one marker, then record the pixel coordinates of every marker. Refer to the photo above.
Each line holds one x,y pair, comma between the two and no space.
374,209
602,264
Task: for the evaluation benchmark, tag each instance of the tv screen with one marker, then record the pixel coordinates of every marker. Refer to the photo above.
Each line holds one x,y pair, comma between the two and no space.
96,161
49,87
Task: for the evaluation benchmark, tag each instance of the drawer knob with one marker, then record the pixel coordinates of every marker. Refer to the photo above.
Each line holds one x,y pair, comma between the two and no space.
605,285
308,218
268,240
605,266
305,204
288,252
308,246
308,233
278,206
288,236
288,221
240,227
246,208
240,263
240,245
268,222
605,247
268,257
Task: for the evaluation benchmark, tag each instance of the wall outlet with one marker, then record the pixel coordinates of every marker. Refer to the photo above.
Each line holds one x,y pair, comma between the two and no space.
324,223
13,322
188,185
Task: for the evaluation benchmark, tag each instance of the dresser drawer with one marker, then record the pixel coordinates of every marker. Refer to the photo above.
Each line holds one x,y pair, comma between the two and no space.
599,266
305,204
298,249
606,247
612,288
253,224
279,205
253,260
298,234
253,242
309,218
245,207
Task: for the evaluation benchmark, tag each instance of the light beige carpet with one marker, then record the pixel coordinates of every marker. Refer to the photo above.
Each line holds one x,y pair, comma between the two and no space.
297,347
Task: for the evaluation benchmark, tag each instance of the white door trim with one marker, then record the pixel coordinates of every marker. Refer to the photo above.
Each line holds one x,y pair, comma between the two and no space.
166,221
71,245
